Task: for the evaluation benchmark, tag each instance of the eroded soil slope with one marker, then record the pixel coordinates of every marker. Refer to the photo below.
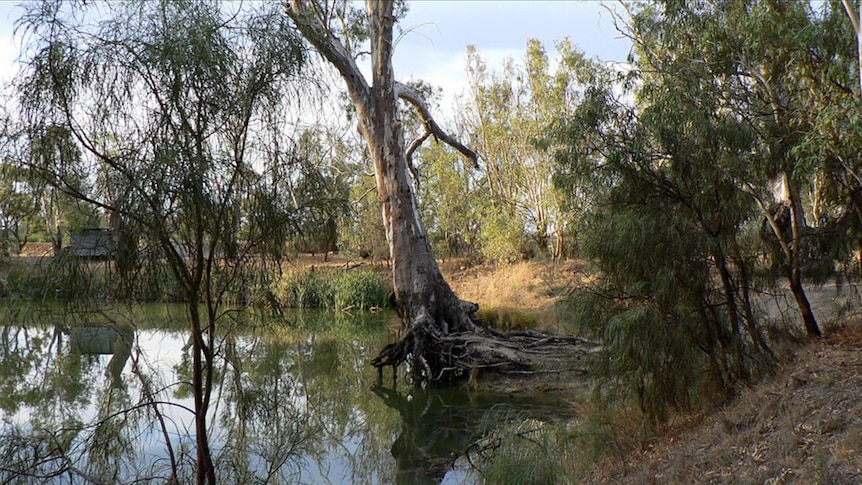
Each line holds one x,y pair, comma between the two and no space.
803,426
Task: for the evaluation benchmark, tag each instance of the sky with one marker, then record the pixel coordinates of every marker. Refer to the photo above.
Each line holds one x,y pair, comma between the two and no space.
437,33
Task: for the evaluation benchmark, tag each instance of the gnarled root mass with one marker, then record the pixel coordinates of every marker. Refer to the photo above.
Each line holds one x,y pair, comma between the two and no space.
456,356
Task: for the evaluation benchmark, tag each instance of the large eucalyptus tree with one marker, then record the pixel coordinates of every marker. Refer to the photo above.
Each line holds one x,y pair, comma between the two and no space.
428,306
432,315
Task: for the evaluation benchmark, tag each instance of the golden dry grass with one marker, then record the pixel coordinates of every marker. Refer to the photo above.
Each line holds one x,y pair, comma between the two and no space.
525,291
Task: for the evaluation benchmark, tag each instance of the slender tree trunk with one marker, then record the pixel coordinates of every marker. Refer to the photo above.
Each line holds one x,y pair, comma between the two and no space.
201,382
52,222
791,260
794,271
745,286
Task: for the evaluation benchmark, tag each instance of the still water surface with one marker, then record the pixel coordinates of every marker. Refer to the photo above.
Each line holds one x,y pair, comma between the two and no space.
106,398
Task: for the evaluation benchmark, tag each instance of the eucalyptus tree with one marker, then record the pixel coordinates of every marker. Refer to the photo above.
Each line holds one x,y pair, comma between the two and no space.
19,202
427,304
507,117
451,198
318,191
837,130
662,220
167,103
53,146
767,81
857,29
438,330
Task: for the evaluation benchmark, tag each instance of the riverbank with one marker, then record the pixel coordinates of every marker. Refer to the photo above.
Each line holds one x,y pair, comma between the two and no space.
804,425
801,425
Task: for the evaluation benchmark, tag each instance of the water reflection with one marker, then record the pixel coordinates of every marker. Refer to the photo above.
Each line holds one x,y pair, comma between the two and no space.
111,403
439,425
115,341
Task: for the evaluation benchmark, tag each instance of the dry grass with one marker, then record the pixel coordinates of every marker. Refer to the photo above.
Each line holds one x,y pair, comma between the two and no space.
521,291
803,426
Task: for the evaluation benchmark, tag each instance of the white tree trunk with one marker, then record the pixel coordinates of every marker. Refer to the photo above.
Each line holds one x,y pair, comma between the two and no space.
426,303
439,331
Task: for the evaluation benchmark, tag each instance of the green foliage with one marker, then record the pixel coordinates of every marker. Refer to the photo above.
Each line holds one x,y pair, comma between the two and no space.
648,307
502,237
672,188
60,278
361,289
310,288
334,289
173,109
508,118
450,202
361,231
317,192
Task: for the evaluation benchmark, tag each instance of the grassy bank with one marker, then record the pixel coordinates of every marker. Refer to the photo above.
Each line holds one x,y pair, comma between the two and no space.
334,288
804,425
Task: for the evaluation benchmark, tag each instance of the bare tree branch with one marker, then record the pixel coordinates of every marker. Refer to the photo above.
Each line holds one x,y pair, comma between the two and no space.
406,93
408,154
330,47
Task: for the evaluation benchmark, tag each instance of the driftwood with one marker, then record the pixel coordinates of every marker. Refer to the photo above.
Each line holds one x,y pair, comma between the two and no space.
463,355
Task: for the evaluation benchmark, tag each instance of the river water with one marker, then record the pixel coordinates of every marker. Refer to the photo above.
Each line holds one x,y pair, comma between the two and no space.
104,397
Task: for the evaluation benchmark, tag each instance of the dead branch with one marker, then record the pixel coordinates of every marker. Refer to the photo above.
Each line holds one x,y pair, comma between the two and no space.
406,93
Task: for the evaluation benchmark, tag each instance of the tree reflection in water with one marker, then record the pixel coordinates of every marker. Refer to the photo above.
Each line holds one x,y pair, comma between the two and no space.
113,405
439,425
73,416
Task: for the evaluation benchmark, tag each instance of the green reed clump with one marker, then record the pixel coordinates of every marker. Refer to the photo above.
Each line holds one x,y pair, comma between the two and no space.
306,288
334,289
362,289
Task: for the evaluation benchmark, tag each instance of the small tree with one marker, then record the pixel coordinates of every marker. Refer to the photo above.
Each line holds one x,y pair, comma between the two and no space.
161,101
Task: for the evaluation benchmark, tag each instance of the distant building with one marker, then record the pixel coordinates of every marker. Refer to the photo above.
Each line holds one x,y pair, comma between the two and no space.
92,244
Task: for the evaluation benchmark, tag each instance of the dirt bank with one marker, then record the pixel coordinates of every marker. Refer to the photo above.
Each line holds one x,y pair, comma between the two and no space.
802,426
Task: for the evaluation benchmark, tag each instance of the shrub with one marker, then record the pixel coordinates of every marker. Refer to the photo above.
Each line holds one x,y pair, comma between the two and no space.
333,289
522,451
362,289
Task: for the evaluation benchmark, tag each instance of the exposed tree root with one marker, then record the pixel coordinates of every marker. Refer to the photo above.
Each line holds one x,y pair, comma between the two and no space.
458,356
